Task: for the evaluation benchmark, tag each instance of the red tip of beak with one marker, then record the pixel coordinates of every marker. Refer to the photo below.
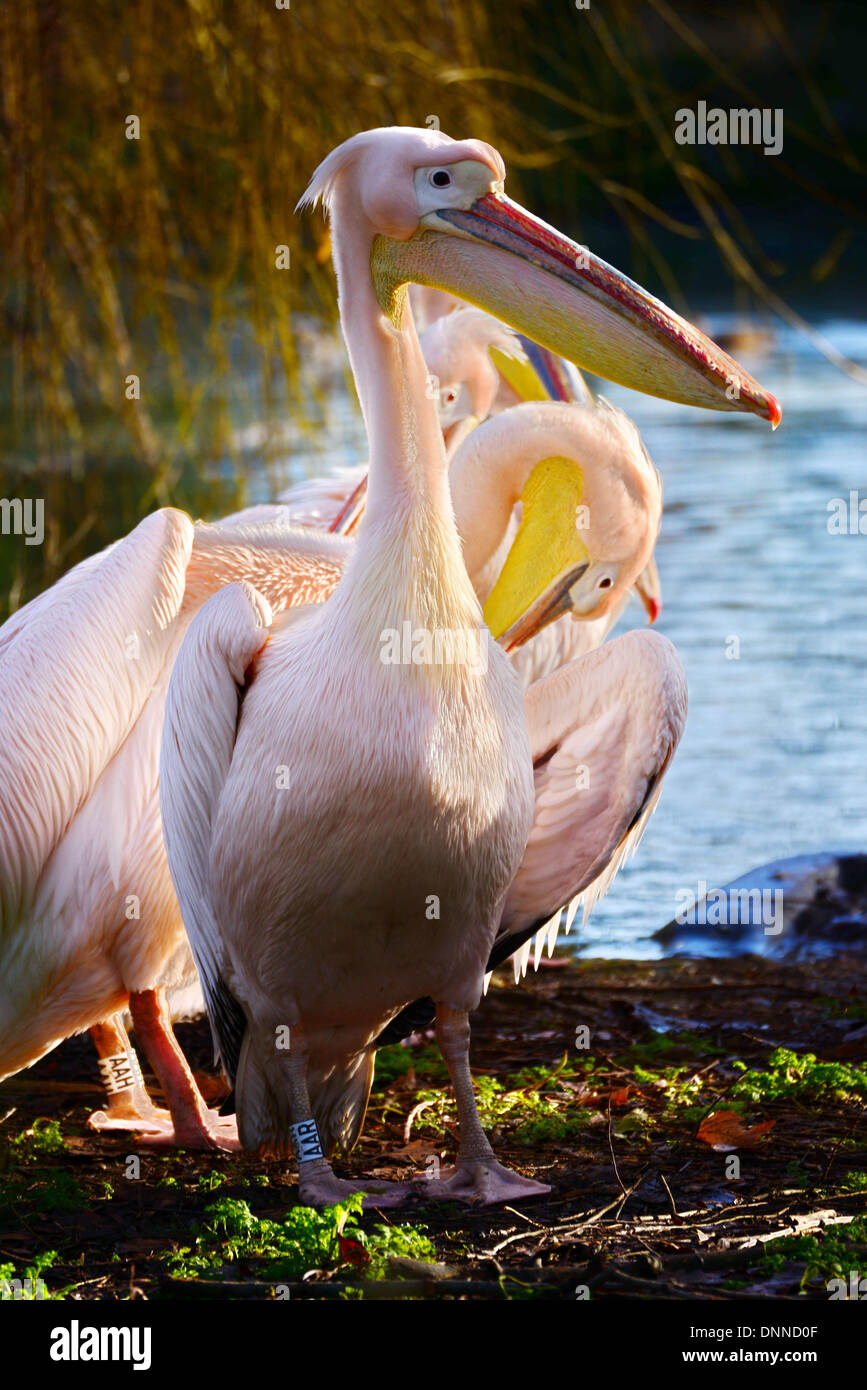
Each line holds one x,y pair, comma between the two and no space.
654,608
775,411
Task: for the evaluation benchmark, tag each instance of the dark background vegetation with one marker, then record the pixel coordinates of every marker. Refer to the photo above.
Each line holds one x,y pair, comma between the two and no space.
156,256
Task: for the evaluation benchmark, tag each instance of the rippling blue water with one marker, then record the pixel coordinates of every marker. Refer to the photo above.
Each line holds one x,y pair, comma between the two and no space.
774,759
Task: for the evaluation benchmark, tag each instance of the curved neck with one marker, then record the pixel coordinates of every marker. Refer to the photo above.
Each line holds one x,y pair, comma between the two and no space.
487,477
408,535
407,455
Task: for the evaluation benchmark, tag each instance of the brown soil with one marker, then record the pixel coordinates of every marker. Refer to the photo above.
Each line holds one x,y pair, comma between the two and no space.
639,1205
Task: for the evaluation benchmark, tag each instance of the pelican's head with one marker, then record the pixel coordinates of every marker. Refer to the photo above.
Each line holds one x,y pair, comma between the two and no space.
457,349
591,503
437,216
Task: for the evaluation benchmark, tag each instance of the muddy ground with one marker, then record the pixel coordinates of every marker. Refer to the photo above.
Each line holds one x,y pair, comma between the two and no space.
596,1078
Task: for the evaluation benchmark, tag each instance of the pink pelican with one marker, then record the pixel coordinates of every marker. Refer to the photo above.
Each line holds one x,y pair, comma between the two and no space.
344,837
475,364
99,924
89,921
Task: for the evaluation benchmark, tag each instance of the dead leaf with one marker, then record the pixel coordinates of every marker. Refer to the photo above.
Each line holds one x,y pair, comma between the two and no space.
724,1130
352,1252
406,1082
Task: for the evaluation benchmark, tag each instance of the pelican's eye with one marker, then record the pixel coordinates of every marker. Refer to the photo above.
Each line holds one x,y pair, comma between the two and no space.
441,178
605,582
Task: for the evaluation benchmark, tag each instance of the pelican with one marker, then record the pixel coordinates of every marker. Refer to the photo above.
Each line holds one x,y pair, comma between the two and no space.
476,363
100,920
465,381
482,371
464,352
547,570
342,826
89,921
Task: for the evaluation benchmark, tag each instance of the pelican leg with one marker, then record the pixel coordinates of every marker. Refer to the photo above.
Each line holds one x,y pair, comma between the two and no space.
129,1105
477,1177
190,1124
318,1185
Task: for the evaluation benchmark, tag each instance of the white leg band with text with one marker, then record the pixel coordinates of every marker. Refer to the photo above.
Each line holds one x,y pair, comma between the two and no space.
120,1072
305,1141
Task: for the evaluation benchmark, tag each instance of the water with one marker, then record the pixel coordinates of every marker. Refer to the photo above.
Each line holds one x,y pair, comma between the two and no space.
773,762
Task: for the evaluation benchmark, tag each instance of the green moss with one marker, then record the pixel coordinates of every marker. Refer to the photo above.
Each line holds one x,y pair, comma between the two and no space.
663,1043
210,1182
51,1189
549,1128
33,1286
42,1140
800,1076
679,1085
305,1239
214,1181
828,1253
534,1113
396,1060
855,1182
57,1191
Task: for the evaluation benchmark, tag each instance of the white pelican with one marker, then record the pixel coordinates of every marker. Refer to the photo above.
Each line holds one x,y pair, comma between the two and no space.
465,382
476,362
89,921
581,574
482,374
343,838
101,918
459,350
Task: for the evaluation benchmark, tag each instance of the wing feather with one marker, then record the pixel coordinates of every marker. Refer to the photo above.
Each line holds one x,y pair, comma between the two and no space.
77,665
602,731
201,721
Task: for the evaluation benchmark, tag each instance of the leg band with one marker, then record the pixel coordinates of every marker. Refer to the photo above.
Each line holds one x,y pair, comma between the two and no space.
120,1072
305,1141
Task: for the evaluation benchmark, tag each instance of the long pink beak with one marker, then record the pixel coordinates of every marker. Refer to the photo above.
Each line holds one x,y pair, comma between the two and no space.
499,256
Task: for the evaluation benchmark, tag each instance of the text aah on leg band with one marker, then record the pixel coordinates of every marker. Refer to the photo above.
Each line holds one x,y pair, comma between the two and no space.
305,1141
120,1072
